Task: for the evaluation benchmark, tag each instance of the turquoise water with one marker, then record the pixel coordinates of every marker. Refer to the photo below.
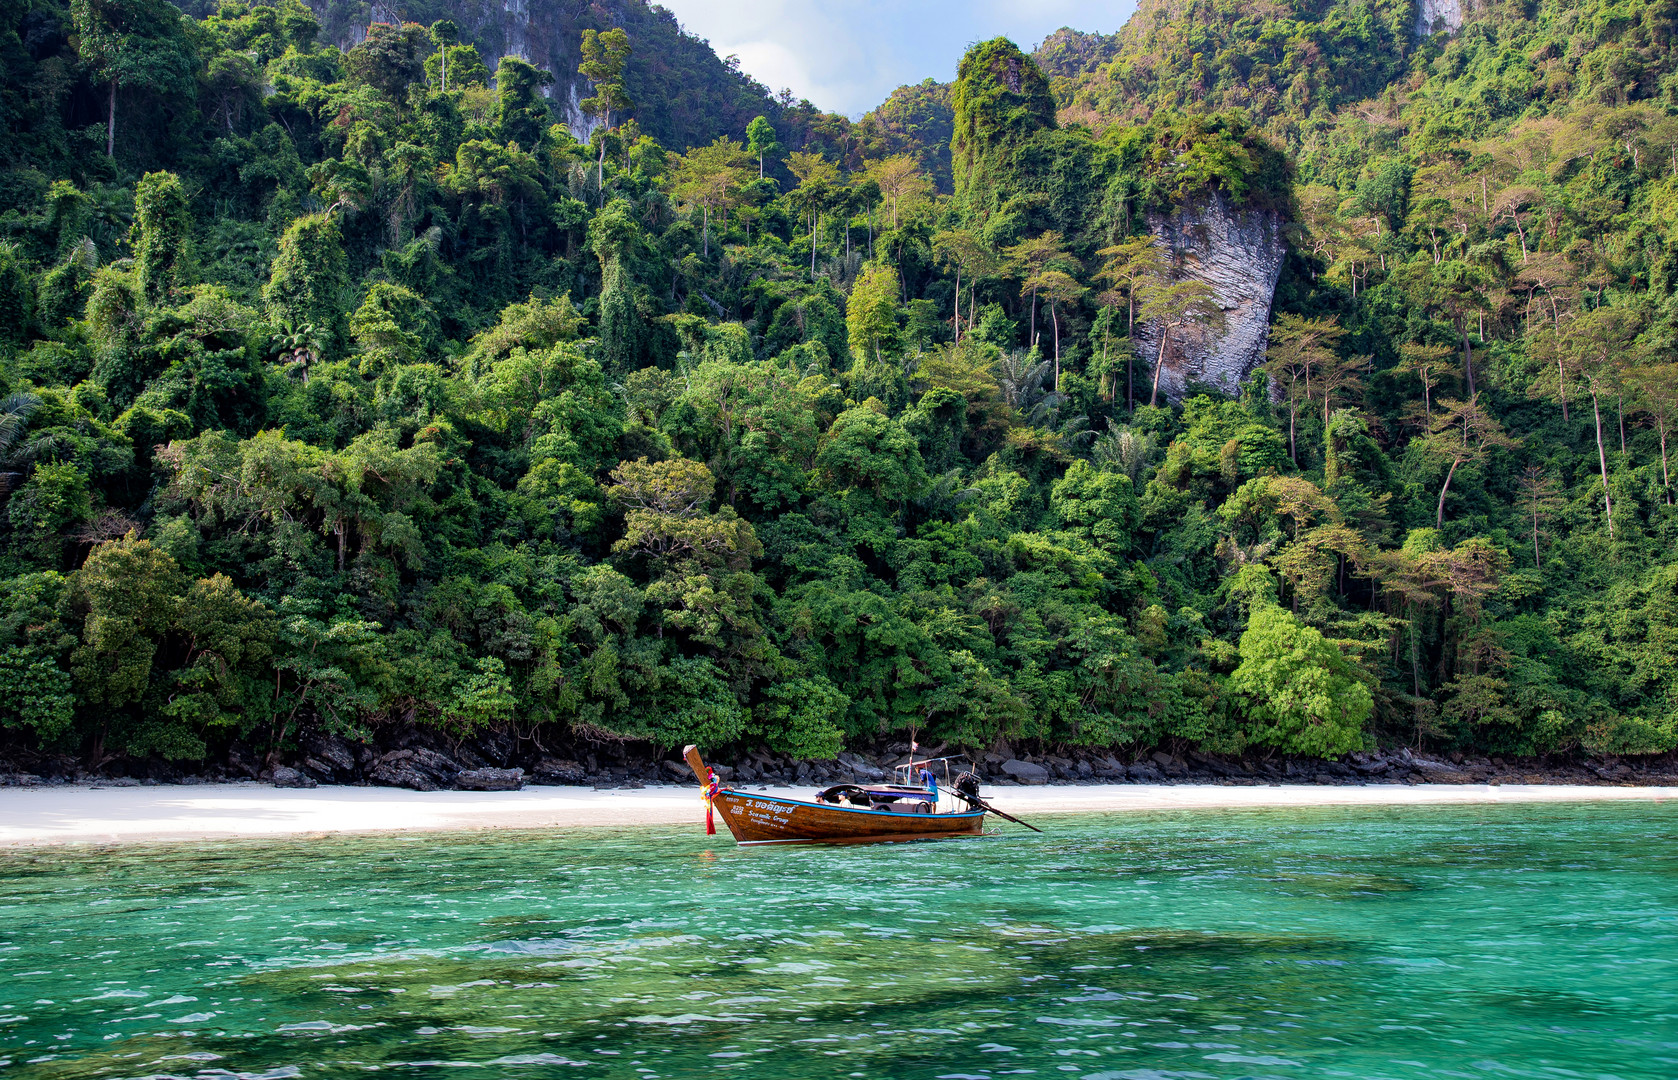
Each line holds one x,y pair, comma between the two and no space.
1419,942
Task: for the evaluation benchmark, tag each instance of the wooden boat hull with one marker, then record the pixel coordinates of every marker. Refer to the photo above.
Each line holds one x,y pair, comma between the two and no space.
769,819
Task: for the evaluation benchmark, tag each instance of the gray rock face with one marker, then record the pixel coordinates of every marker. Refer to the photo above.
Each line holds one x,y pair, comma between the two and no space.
1239,254
558,771
489,779
862,769
1433,15
420,770
285,776
329,758
1026,772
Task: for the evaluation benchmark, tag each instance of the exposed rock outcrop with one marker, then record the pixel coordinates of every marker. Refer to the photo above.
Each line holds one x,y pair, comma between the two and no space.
1435,15
285,776
685,94
489,779
1239,254
421,770
1026,772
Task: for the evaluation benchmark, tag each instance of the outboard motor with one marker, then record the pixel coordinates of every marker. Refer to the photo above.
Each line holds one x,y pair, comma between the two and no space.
967,785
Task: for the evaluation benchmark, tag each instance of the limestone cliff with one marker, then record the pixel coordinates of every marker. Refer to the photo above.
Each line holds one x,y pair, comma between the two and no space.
685,95
1433,15
1239,254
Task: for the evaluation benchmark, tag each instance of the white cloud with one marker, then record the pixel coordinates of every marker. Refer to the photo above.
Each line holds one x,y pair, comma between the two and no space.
847,55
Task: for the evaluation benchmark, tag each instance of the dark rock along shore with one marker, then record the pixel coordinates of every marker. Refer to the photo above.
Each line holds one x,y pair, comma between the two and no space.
425,760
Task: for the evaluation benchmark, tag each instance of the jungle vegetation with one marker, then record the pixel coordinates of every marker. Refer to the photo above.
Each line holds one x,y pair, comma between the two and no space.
343,389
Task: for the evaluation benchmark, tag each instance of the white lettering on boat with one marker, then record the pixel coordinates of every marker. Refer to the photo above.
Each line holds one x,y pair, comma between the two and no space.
763,812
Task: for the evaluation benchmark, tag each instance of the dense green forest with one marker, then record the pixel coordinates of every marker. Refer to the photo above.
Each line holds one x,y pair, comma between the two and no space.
346,391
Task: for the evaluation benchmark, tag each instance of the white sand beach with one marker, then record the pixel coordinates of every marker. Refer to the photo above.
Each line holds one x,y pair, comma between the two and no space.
94,815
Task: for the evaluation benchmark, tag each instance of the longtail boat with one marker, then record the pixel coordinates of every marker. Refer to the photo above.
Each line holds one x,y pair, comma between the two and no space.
843,813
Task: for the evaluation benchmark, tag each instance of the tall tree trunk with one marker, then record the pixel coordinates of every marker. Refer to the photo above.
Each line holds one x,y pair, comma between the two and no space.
1054,317
1415,673
815,227
1105,374
443,62
1467,359
111,123
1130,378
1439,517
958,306
1666,479
1032,340
1602,461
1159,364
1561,384
1130,348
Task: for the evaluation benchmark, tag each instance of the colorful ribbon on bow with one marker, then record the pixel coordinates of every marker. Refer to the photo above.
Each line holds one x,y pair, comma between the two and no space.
712,789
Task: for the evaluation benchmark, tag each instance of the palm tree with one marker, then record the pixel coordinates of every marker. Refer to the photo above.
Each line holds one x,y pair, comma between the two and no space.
301,344
1123,450
1021,376
15,411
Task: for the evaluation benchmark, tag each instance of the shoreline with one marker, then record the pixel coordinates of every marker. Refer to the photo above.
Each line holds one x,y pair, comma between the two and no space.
54,816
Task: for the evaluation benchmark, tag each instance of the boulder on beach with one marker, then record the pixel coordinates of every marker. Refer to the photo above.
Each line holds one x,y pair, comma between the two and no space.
489,779
285,776
419,770
1026,772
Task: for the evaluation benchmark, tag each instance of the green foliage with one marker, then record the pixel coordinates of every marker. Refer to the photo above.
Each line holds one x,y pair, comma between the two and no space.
393,326
1302,694
36,693
128,589
163,242
1000,101
521,112
865,451
802,717
871,315
309,278
760,141
335,397
389,59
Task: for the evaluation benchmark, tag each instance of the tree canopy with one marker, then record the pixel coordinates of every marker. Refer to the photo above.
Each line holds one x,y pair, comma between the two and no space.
340,395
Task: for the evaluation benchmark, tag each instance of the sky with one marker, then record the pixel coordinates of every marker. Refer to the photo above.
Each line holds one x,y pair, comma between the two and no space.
848,55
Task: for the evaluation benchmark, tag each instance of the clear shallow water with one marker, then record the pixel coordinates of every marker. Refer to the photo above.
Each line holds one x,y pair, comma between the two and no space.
1417,942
